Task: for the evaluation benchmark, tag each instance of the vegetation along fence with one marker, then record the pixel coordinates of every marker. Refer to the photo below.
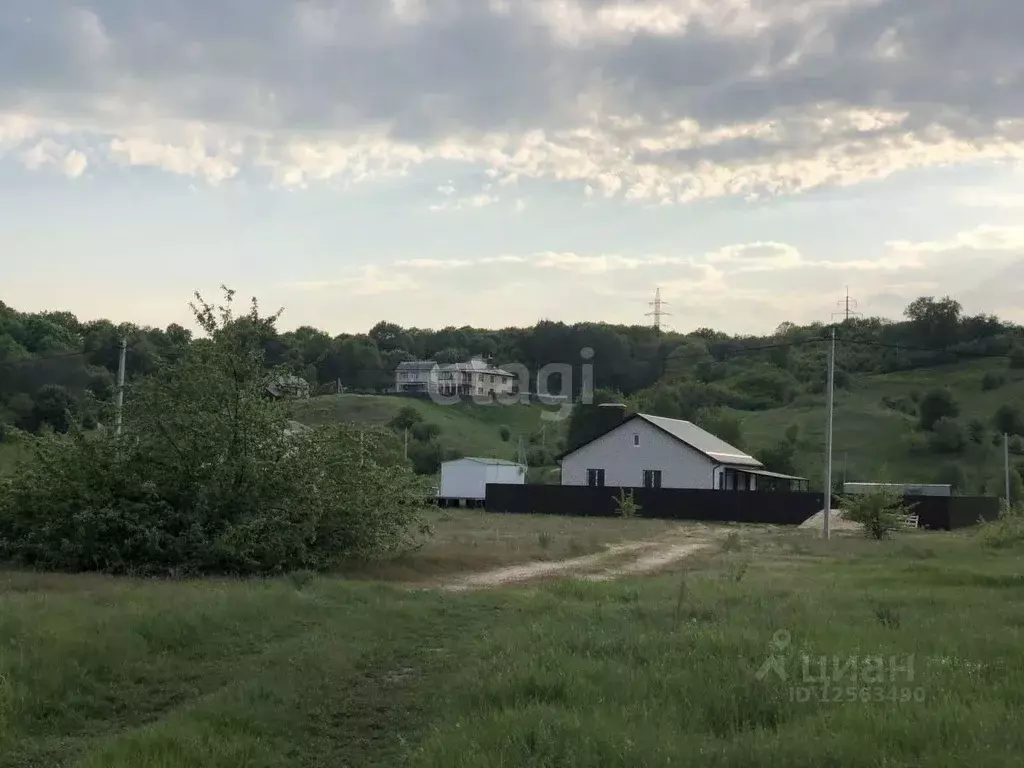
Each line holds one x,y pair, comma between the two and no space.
774,507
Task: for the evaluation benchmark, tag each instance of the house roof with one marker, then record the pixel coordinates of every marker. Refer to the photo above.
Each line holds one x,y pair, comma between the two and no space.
478,366
691,435
416,365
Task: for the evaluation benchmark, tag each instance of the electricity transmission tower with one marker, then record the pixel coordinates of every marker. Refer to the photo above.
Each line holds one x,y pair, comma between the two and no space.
658,310
847,307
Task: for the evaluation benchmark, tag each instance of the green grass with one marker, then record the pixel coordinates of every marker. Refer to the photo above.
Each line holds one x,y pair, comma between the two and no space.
467,427
873,442
106,672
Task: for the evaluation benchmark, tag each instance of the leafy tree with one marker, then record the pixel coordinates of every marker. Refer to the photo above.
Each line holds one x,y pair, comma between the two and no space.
977,432
953,474
505,433
406,418
934,323
948,436
54,406
937,404
539,457
425,431
207,477
1009,420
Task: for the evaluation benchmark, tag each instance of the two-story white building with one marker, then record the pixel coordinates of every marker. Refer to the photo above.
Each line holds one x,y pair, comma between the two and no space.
646,451
473,378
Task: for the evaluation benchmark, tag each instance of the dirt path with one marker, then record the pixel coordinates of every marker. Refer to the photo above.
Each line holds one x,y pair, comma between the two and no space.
631,559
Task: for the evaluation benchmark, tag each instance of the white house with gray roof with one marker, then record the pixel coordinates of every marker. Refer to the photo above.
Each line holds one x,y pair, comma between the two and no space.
473,378
646,451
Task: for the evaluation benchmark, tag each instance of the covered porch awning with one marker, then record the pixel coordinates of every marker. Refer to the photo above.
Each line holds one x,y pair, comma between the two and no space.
772,479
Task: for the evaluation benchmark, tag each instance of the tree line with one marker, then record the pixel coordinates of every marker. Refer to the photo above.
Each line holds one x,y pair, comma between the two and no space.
51,363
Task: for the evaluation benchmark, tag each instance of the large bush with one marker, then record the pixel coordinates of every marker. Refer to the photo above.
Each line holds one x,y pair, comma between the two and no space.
935,405
207,476
948,436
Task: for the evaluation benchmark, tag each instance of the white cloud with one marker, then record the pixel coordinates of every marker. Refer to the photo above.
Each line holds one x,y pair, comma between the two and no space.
670,100
48,153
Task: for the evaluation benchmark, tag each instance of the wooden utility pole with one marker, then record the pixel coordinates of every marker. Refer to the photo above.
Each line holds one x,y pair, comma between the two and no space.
120,387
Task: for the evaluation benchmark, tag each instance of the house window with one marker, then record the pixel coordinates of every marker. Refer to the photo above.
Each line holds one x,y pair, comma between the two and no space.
636,440
652,478
595,478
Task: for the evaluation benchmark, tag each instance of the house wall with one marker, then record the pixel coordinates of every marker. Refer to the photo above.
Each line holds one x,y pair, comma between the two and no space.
505,474
624,463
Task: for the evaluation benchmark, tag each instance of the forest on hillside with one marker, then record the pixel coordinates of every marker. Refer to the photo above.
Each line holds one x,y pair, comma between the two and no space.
54,366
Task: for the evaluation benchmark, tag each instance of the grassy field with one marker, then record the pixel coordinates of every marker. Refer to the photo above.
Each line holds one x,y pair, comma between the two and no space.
873,441
662,671
467,427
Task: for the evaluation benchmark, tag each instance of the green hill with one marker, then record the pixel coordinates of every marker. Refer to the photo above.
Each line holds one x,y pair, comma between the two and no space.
874,441
468,428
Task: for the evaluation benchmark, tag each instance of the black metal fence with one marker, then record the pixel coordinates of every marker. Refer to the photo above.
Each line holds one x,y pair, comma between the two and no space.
773,507
664,503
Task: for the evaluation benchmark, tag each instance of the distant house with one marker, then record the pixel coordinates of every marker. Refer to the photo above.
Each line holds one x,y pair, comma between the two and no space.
288,387
645,451
416,377
473,378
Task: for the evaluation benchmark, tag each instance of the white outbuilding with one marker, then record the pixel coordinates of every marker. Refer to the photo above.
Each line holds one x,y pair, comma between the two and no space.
465,480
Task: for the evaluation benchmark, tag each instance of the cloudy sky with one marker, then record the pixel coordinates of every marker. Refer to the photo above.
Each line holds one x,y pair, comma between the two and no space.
494,162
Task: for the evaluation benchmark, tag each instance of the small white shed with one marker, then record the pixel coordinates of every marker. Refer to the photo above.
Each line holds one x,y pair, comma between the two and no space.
467,479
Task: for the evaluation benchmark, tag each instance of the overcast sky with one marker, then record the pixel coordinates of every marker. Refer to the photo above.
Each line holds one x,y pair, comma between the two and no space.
495,162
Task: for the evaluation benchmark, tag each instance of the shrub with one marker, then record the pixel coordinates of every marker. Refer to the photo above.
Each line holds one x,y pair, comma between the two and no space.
539,457
879,513
900,404
505,432
1006,531
1009,420
625,504
992,380
976,431
425,431
935,405
1016,356
207,478
948,436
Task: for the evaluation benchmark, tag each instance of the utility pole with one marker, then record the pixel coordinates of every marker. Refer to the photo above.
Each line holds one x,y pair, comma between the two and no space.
1006,466
658,309
828,434
406,443
120,386
847,307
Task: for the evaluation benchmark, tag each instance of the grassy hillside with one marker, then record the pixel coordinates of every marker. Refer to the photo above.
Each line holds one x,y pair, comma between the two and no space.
471,429
873,441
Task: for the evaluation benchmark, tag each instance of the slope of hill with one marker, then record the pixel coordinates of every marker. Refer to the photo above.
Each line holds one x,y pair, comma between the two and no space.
469,428
874,441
